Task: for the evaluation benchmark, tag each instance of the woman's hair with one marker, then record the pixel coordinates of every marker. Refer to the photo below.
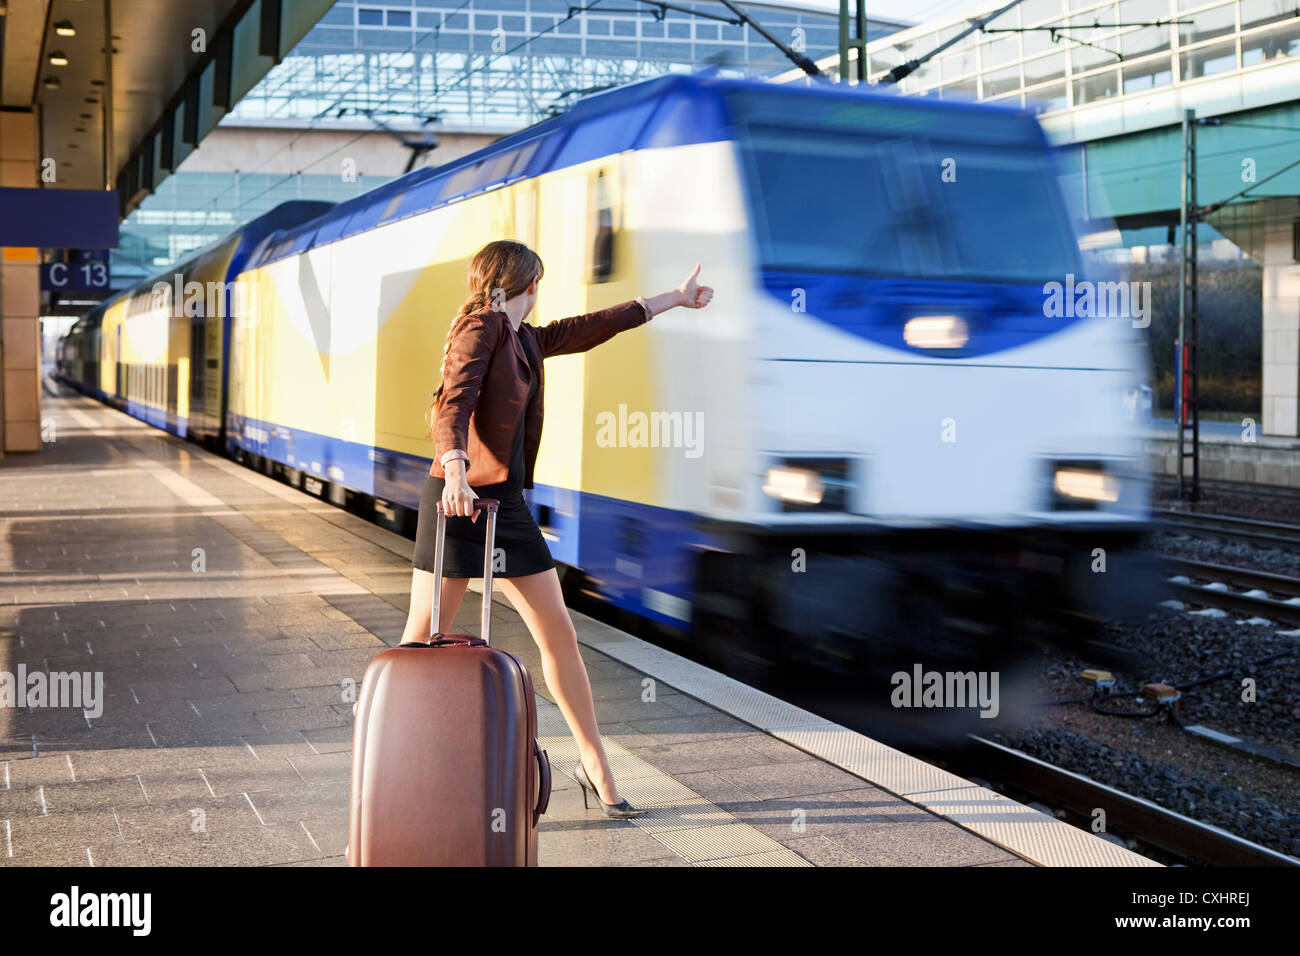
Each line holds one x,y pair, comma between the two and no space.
500,270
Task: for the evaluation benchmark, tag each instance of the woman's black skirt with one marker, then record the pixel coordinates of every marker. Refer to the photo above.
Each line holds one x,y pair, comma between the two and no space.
521,548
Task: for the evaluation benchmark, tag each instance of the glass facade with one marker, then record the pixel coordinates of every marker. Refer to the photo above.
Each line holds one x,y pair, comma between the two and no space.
496,65
509,63
190,210
1068,66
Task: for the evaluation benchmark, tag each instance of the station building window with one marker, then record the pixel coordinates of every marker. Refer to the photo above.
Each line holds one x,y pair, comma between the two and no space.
1207,24
1208,60
999,82
1044,69
1037,42
370,18
1099,86
1047,99
1039,11
1139,11
1145,41
965,89
1148,75
996,54
960,62
1256,13
1089,57
1281,41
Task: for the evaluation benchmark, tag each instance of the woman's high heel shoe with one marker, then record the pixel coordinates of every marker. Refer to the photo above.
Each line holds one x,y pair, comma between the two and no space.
619,811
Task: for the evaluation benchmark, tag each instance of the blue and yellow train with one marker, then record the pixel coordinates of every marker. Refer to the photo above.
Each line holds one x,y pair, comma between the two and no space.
877,403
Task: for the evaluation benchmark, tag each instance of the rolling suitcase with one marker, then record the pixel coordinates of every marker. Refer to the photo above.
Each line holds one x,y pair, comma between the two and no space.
446,768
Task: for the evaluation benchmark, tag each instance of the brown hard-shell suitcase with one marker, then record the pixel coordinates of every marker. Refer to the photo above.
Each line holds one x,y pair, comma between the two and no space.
446,768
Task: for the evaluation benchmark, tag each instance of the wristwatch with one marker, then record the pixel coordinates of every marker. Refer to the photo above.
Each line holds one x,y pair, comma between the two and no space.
645,305
453,454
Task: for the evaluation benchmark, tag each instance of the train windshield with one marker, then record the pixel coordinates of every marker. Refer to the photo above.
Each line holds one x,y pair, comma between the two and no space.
898,189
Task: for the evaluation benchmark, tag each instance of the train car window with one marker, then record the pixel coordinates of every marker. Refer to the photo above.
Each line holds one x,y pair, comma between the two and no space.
463,179
884,212
604,225
499,168
521,157
421,197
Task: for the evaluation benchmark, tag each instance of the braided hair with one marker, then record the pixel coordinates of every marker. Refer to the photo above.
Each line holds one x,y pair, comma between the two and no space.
499,270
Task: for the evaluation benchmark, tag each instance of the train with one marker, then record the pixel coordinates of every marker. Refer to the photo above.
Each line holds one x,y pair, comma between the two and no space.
876,438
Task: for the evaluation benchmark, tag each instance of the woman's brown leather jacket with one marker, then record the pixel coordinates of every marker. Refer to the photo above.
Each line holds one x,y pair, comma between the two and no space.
486,383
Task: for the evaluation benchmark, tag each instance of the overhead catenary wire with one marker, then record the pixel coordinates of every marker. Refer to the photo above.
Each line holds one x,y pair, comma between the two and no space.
363,66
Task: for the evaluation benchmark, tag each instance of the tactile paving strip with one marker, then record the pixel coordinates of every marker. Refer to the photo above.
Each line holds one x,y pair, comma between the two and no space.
694,828
1024,831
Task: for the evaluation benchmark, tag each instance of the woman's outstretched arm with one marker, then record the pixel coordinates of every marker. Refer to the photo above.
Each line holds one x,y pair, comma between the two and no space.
582,332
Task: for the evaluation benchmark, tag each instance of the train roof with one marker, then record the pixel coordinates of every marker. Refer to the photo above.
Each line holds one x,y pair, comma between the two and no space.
283,215
668,110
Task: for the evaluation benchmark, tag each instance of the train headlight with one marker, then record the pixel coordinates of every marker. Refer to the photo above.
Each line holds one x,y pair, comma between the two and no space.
1086,485
936,332
800,485
810,484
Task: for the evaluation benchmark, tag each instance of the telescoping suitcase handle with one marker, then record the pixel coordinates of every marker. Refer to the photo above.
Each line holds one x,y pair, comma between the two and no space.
485,624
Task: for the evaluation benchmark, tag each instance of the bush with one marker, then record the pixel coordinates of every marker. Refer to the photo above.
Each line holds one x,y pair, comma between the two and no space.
1230,303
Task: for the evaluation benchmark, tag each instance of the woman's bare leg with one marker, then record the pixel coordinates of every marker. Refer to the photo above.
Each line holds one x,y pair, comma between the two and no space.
421,612
539,601
417,619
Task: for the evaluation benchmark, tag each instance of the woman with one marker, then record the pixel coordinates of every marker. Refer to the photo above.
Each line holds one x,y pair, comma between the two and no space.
486,425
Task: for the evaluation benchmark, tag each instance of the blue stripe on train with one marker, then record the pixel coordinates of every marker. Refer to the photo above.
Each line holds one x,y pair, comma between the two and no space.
1000,316
639,556
168,421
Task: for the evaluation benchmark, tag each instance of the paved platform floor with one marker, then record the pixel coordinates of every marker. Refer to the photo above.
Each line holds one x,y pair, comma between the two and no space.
230,616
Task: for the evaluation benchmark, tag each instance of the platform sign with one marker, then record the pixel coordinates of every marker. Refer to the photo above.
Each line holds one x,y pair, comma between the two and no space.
88,275
58,218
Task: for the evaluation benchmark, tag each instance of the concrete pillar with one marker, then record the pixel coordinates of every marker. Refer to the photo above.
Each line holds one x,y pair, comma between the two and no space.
1281,346
1265,231
20,298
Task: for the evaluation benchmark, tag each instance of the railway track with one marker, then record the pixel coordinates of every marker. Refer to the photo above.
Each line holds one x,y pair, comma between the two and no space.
1237,487
1267,534
1268,595
1186,840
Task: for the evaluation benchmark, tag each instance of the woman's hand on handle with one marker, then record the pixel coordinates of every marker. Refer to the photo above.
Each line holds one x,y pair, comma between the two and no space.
457,496
694,295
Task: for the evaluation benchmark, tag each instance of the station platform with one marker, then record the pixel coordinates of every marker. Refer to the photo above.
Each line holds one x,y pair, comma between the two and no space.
1230,451
232,617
